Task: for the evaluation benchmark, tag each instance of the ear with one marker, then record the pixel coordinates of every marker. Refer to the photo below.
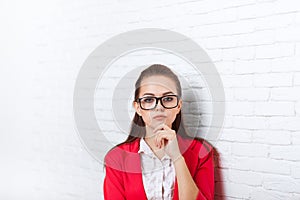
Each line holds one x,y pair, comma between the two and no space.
179,106
137,108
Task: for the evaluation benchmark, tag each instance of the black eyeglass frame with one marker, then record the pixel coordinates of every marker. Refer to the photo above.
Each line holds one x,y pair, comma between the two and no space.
158,99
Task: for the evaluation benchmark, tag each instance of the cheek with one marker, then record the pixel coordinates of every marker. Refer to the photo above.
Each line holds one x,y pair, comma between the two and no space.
172,115
146,117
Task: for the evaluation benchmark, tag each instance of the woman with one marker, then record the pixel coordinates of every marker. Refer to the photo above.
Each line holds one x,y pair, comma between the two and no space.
159,160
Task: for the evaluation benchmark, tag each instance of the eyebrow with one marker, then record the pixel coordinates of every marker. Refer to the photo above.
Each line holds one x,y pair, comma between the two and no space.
151,94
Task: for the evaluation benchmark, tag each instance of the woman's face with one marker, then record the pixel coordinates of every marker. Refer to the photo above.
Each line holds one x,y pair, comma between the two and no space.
158,86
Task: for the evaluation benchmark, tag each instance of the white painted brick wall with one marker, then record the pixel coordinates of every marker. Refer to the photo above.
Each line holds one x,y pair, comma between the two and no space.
254,44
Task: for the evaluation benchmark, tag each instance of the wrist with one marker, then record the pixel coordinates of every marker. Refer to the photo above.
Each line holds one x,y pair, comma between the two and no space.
177,158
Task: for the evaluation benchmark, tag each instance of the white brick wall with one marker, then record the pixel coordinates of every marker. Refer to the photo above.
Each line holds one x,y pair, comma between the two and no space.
255,45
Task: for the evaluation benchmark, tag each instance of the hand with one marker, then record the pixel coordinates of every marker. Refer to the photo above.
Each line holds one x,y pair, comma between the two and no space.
166,138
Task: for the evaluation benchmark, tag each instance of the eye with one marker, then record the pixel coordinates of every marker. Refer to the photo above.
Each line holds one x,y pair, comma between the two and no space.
168,98
148,100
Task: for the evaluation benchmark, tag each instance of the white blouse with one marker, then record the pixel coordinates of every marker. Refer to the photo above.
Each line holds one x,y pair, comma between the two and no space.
158,175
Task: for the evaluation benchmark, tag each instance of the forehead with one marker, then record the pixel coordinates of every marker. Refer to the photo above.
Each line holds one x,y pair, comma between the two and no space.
157,85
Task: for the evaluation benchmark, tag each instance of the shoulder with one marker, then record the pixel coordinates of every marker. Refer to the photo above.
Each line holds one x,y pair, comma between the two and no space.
196,146
118,154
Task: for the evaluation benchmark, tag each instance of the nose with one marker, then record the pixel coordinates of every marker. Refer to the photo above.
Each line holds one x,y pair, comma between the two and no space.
159,106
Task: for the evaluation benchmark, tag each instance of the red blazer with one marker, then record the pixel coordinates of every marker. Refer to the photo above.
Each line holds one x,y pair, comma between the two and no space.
123,178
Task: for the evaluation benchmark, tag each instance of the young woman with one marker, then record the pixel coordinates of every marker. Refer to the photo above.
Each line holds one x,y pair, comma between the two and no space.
159,160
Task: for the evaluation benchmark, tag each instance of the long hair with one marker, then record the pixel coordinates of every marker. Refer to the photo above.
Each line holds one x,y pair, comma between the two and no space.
137,129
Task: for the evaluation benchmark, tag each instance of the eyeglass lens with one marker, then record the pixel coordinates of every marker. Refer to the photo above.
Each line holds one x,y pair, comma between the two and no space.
148,103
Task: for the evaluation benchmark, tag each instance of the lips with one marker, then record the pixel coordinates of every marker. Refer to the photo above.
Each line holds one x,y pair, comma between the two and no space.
159,117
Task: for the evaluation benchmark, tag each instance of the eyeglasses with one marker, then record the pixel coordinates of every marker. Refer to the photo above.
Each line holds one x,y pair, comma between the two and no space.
149,103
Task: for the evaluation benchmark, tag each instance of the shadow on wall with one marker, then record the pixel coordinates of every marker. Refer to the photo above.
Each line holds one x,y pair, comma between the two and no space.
219,183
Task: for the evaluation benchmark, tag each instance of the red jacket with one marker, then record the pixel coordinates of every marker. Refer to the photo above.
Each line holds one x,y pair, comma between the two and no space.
123,178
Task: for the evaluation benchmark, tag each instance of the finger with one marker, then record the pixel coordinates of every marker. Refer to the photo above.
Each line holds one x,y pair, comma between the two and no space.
159,138
162,127
158,128
166,127
162,136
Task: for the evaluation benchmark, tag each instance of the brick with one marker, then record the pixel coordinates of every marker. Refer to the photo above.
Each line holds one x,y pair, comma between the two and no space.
192,120
208,30
295,196
296,81
203,108
287,34
250,150
215,55
244,177
236,3
239,108
228,15
238,27
251,94
194,81
275,50
251,123
271,137
286,64
263,37
242,53
261,193
227,122
280,183
295,138
198,7
102,114
205,119
274,108
297,51
285,152
297,18
275,21
237,190
229,94
264,9
235,135
295,170
265,0
237,80
225,67
220,42
285,94
214,133
273,80
224,147
287,6
267,165
245,53
218,16
252,66
284,123
225,162
246,12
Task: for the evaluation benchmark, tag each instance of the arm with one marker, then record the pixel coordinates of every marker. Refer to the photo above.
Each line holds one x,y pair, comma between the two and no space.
201,185
187,188
113,182
204,177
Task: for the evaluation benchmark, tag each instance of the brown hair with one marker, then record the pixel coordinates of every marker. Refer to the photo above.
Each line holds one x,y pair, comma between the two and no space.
137,129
